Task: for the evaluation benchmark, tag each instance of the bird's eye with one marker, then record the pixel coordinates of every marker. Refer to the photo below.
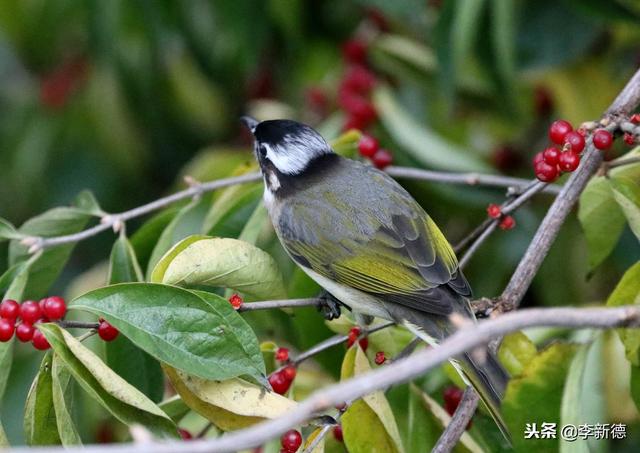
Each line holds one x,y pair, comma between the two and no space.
263,150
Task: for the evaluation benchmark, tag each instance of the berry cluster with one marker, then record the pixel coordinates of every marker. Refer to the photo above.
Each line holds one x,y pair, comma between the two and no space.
506,221
370,148
452,396
290,441
26,315
353,336
551,162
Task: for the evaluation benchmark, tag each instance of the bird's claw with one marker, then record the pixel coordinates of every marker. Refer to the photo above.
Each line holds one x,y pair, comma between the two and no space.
329,306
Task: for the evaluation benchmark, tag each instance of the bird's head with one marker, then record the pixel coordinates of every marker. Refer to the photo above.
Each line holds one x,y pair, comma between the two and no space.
285,147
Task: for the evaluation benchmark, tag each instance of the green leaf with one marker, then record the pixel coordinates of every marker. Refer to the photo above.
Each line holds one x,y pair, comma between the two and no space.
221,262
145,238
46,268
583,399
516,351
229,404
347,143
40,427
147,375
175,408
228,214
8,231
424,430
188,221
423,144
63,393
504,39
627,292
193,331
536,395
86,202
368,424
600,215
123,265
121,399
255,225
626,192
4,442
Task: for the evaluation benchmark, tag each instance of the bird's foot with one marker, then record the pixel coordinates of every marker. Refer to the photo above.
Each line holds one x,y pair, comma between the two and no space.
329,306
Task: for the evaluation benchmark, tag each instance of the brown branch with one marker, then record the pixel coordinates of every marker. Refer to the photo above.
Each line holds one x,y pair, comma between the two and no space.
459,422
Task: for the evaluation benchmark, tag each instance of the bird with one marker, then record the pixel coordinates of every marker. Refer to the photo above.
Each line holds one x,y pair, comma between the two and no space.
366,241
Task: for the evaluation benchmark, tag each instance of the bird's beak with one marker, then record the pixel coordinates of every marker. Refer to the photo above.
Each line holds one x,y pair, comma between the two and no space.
250,122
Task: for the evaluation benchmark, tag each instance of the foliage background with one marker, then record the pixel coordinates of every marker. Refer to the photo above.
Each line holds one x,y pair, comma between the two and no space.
125,97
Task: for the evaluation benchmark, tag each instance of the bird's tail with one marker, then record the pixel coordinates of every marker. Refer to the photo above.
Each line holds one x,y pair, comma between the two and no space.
479,369
488,378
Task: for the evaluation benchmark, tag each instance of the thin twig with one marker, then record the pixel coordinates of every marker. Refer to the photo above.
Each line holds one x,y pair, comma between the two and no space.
325,430
459,421
78,324
471,179
620,162
478,242
112,221
284,303
335,341
466,339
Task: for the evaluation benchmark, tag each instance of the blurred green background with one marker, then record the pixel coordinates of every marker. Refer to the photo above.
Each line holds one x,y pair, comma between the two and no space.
125,97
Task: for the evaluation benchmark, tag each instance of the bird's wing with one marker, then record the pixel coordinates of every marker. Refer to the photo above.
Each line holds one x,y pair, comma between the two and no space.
401,257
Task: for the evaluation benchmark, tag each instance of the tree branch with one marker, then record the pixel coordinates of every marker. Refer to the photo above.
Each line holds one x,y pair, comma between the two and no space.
458,423
466,339
114,221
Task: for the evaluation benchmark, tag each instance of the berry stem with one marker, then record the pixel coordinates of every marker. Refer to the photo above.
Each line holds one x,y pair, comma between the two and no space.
77,324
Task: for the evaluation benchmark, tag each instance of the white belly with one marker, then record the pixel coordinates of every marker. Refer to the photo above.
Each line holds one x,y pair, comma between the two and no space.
355,299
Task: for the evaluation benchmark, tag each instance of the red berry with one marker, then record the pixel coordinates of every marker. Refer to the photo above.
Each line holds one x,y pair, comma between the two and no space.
542,101
354,51
289,373
368,146
282,354
494,211
452,396
54,307
30,311
357,80
575,140
382,159
106,331
359,108
635,118
291,440
279,382
545,172
507,223
236,301
364,343
352,336
337,433
7,327
353,123
538,158
39,341
24,332
551,155
380,358
184,434
9,309
506,158
629,139
558,130
602,139
317,98
569,161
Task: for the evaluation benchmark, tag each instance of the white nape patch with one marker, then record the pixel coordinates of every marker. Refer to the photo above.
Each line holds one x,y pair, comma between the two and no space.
294,153
268,198
274,182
